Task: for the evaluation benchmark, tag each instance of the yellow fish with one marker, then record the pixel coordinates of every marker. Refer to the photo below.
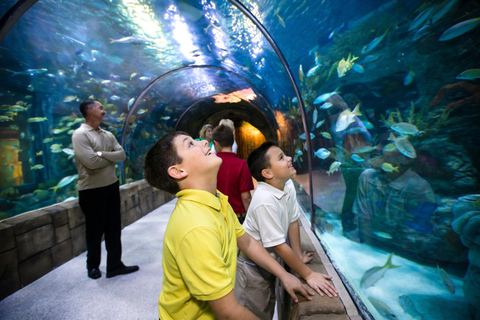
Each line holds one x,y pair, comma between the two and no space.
37,119
39,153
326,135
387,167
47,140
345,65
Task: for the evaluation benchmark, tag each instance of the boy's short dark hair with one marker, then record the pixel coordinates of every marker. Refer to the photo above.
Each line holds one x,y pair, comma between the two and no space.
258,160
159,158
223,135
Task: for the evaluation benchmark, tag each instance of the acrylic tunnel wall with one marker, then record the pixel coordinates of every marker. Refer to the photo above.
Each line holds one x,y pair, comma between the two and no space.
390,100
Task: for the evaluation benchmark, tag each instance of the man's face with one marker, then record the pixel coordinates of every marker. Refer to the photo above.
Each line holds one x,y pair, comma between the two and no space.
96,111
281,166
196,156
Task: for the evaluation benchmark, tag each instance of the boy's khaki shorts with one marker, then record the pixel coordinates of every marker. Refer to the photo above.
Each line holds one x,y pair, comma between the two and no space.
255,288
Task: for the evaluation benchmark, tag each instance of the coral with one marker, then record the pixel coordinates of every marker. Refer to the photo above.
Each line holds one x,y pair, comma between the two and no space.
471,89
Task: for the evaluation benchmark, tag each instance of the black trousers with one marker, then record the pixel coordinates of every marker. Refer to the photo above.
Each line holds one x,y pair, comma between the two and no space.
101,207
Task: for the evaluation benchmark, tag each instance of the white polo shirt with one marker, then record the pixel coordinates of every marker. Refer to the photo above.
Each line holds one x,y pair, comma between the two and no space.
270,214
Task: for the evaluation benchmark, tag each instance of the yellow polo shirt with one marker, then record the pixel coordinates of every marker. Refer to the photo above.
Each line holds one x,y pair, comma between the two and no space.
199,255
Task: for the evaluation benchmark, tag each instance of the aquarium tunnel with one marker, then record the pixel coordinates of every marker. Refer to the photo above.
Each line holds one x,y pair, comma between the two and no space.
378,103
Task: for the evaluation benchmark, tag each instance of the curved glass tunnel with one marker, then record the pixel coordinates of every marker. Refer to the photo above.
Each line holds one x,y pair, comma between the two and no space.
391,95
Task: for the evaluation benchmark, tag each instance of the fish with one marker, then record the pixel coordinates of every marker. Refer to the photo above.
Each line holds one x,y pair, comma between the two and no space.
37,119
315,115
383,235
322,153
301,75
390,147
404,146
302,136
326,105
442,9
325,96
409,78
469,74
358,68
132,76
64,182
279,18
319,123
370,58
58,131
144,78
372,275
383,309
294,100
446,280
131,39
334,167
459,29
142,111
356,158
375,42
39,153
37,167
165,118
326,135
69,151
409,307
29,72
71,39
421,18
346,118
387,167
312,70
5,118
70,99
405,128
47,140
69,199
115,98
345,65
365,149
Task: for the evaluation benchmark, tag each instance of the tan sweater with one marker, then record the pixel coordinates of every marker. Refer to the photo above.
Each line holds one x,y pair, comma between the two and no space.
95,171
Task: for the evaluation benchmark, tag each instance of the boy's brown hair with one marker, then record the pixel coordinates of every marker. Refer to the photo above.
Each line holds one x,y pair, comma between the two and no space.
159,158
223,135
258,160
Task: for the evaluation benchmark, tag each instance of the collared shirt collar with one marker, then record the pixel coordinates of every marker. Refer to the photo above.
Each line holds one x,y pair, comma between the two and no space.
276,192
203,197
87,127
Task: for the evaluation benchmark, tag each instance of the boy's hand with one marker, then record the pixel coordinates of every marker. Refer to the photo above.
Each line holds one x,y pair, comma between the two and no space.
319,283
292,284
307,257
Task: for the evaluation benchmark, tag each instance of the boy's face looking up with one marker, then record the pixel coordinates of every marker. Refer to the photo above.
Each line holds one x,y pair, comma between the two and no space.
281,166
198,160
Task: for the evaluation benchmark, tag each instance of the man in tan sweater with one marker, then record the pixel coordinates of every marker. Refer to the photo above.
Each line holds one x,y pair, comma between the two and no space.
96,152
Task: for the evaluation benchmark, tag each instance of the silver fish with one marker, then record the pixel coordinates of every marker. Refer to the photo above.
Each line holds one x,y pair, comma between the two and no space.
372,275
446,280
322,153
65,181
409,308
382,308
405,128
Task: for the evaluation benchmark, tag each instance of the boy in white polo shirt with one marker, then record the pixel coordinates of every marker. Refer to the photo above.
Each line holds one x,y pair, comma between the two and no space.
272,219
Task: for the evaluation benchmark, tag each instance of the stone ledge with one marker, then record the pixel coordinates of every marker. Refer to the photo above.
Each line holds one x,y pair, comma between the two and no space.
319,308
34,243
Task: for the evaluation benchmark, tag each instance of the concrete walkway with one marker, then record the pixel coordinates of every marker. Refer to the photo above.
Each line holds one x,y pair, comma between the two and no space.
67,292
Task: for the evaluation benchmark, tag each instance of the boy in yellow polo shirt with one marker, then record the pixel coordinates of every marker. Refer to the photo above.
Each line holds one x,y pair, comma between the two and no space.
200,242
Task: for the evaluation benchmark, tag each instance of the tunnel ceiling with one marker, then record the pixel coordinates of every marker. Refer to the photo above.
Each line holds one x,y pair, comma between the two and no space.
70,50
